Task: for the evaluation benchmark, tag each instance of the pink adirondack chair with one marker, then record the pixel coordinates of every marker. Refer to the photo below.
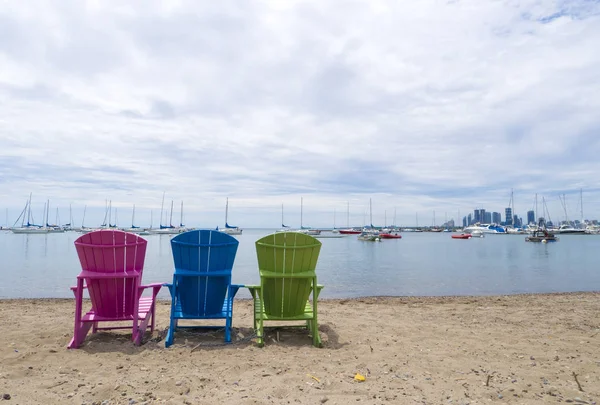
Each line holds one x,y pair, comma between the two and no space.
112,263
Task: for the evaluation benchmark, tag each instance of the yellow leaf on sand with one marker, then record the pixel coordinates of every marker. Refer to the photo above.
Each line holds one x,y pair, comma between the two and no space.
359,377
314,378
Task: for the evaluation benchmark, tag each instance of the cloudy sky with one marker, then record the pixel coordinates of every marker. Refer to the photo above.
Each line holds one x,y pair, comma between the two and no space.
421,106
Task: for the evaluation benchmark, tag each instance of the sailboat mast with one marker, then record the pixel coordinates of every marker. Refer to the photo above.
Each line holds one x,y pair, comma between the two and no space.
181,215
47,213
151,215
370,213
171,217
282,223
83,220
301,200
537,215
110,213
348,214
227,209
29,210
581,198
162,207
133,216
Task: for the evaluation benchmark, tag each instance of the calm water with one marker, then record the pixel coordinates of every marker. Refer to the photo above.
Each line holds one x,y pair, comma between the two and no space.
418,264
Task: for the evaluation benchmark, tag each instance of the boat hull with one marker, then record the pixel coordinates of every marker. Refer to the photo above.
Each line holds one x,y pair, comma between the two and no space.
463,236
349,232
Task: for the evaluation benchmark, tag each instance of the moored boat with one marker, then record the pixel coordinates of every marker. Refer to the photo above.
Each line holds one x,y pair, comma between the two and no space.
462,236
350,231
541,234
390,235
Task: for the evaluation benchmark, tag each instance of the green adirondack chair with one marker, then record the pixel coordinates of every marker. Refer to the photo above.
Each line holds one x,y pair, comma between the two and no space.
286,264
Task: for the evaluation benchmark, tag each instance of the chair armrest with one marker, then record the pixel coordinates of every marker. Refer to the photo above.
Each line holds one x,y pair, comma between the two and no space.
254,290
170,287
155,288
318,290
233,289
153,285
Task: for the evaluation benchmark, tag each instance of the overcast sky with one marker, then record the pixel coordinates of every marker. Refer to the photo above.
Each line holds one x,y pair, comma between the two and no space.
421,106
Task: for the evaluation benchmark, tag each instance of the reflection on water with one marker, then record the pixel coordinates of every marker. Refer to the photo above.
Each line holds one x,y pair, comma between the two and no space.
418,264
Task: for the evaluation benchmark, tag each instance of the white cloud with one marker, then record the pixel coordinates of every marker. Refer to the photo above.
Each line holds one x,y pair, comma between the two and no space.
422,106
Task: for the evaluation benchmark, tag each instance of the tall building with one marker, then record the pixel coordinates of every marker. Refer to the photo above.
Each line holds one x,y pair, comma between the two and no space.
477,216
496,217
508,216
464,222
517,222
531,217
487,217
470,220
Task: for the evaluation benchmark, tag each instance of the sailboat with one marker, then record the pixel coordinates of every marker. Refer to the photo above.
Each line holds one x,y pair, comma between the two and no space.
370,234
306,229
54,228
284,228
348,230
230,230
170,229
28,227
133,228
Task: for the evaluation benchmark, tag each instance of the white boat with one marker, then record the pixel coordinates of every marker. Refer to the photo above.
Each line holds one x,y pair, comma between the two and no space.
230,230
30,229
477,234
370,234
485,228
567,229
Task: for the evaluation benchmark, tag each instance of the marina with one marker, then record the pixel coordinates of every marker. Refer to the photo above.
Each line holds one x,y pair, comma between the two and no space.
419,264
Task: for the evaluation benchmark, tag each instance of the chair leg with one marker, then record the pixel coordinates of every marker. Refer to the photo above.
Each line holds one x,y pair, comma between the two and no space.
80,329
171,332
228,329
260,333
315,333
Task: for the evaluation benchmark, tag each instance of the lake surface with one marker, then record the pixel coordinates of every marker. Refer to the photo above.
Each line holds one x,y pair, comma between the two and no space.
419,264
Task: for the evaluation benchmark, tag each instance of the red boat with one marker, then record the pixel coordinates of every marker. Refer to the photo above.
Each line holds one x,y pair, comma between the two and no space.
350,232
462,236
390,236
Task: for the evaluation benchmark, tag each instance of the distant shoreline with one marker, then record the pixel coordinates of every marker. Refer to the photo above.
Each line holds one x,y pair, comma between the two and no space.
375,298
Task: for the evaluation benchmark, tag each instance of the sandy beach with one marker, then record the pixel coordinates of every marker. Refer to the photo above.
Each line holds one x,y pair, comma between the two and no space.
522,349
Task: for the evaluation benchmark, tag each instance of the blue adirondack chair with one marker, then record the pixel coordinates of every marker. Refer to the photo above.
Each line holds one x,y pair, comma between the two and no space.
202,286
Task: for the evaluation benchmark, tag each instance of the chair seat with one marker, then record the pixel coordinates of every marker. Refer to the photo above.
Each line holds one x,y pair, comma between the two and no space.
179,314
145,306
259,309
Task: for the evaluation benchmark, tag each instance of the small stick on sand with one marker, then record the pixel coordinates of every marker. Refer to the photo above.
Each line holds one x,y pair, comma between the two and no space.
487,382
577,381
